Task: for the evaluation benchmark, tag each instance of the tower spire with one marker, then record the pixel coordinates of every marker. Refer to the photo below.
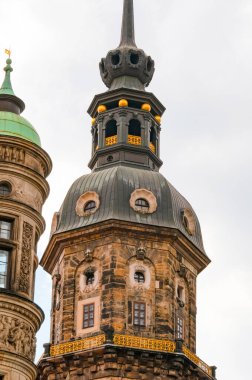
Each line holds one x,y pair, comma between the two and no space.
6,87
9,102
128,30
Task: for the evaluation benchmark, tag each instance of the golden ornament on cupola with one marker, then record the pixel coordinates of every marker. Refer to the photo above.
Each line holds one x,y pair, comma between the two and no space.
93,121
101,108
123,103
146,107
158,119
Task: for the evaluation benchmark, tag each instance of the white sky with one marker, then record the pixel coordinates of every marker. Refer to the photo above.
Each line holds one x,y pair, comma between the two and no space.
202,50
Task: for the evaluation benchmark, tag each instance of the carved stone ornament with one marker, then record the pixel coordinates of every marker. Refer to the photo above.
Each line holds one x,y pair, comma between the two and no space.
9,153
26,259
182,271
17,336
140,253
88,256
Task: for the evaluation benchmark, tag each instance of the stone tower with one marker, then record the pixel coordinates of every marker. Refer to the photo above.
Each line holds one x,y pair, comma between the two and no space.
125,247
24,165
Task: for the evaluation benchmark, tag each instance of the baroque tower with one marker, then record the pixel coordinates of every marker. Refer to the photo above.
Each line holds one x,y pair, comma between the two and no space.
126,246
24,166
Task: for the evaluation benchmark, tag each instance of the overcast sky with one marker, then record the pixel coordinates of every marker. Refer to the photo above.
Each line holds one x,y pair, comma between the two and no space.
203,55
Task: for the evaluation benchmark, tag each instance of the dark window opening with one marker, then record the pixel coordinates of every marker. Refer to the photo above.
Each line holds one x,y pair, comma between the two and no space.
153,136
4,263
90,278
135,128
134,58
139,277
139,314
5,188
5,229
115,59
90,206
88,316
142,204
111,128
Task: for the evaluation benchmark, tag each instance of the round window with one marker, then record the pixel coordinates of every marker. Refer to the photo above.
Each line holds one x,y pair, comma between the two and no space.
5,188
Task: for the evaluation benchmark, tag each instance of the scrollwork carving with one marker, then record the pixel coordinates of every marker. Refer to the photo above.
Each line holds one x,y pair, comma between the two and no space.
25,266
17,336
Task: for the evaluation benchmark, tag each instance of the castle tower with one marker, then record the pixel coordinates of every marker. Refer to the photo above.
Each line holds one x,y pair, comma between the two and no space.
126,247
24,165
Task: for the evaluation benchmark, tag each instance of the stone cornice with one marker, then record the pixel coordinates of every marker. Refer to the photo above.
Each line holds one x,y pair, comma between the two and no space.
34,150
22,306
60,241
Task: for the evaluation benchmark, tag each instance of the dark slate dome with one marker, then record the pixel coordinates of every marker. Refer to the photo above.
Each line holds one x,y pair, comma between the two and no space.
114,187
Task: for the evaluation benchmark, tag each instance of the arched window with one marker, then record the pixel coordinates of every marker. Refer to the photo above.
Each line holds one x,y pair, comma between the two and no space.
142,204
135,128
153,140
139,277
111,128
89,206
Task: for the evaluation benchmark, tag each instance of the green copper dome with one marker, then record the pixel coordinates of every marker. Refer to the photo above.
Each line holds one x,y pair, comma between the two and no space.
15,125
11,123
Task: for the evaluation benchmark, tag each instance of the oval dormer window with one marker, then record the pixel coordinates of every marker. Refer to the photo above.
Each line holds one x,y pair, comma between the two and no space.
87,204
143,201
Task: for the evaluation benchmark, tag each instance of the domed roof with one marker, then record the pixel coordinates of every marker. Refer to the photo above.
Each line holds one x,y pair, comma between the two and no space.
11,123
15,125
115,186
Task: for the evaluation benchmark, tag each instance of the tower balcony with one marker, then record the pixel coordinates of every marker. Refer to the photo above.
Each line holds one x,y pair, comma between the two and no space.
148,345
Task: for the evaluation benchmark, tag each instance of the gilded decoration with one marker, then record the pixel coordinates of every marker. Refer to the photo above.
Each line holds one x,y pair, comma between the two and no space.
77,345
25,266
144,343
17,336
195,359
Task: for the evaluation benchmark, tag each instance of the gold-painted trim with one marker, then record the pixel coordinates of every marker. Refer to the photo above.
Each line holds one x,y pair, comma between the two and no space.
144,343
134,140
111,140
77,345
152,148
196,360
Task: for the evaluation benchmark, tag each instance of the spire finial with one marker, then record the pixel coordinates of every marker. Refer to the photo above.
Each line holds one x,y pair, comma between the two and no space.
128,31
6,86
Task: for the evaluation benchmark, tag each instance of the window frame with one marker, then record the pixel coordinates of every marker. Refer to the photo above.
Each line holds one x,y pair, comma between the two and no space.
180,327
10,221
137,276
142,204
88,210
88,313
139,318
8,266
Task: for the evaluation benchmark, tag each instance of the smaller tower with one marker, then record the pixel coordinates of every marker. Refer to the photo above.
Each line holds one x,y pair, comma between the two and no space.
24,165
